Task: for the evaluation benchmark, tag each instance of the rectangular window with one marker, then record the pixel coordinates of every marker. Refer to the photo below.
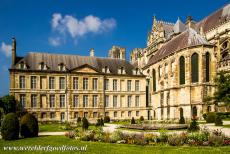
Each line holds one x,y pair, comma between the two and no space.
61,83
51,83
85,83
33,100
107,101
33,82
94,100
137,104
52,115
122,114
75,83
23,100
62,117
114,85
86,114
137,85
106,113
85,101
115,114
75,101
62,100
106,84
129,85
22,82
129,101
137,113
94,83
52,101
76,115
129,114
95,114
114,101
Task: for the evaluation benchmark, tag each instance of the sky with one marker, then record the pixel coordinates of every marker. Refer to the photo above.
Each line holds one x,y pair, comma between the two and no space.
75,26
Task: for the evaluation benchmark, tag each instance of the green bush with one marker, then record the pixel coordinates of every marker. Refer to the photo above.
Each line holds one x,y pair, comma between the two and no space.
106,119
10,127
218,120
223,115
181,121
29,126
133,120
211,116
79,121
142,119
177,140
100,122
194,126
205,116
85,123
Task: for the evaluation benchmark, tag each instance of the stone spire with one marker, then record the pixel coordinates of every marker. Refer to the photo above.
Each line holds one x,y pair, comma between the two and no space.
179,26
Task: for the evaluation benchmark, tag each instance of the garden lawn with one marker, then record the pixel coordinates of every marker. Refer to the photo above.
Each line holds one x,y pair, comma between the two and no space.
108,148
226,126
50,128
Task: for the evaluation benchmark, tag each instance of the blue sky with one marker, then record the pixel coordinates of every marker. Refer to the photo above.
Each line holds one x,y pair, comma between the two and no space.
75,26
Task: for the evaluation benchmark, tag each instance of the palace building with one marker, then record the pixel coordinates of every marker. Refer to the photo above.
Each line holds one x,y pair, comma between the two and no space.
181,62
57,87
171,77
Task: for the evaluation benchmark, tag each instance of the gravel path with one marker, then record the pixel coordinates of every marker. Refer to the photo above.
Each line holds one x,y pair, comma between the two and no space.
50,133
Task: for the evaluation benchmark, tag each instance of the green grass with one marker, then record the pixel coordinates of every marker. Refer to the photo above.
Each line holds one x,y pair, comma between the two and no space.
50,128
56,127
108,148
226,126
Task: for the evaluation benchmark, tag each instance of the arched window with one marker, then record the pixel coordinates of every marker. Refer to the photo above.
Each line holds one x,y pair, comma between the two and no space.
207,67
182,70
154,80
195,67
194,111
181,113
209,109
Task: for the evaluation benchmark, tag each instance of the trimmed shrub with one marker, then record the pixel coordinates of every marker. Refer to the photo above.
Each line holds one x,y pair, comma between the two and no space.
142,119
100,122
106,119
181,121
132,120
10,127
211,116
218,120
85,123
29,126
194,126
79,121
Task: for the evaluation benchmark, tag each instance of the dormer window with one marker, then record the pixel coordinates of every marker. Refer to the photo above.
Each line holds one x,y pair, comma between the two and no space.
42,66
122,70
22,65
105,69
136,71
62,67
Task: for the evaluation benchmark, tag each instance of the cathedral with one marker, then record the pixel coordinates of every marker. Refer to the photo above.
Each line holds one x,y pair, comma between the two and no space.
171,77
181,62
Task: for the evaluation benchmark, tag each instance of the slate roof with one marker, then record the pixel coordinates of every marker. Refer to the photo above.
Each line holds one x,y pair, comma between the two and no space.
215,19
34,59
187,38
179,26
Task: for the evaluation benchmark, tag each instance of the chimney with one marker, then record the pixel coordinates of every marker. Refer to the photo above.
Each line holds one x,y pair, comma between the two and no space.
13,51
189,22
92,52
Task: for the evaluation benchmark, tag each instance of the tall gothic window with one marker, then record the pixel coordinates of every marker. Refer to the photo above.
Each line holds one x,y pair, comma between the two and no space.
195,67
154,80
182,70
207,67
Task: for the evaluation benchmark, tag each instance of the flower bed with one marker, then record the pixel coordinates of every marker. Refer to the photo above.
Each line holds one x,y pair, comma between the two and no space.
155,126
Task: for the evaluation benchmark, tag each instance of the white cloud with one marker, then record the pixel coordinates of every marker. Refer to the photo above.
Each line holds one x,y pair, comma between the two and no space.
79,27
6,49
55,41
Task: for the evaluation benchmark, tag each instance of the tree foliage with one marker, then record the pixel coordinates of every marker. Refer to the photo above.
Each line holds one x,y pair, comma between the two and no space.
8,103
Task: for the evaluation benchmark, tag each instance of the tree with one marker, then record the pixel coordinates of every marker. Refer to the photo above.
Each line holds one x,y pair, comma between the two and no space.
222,93
8,103
10,127
29,126
85,123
